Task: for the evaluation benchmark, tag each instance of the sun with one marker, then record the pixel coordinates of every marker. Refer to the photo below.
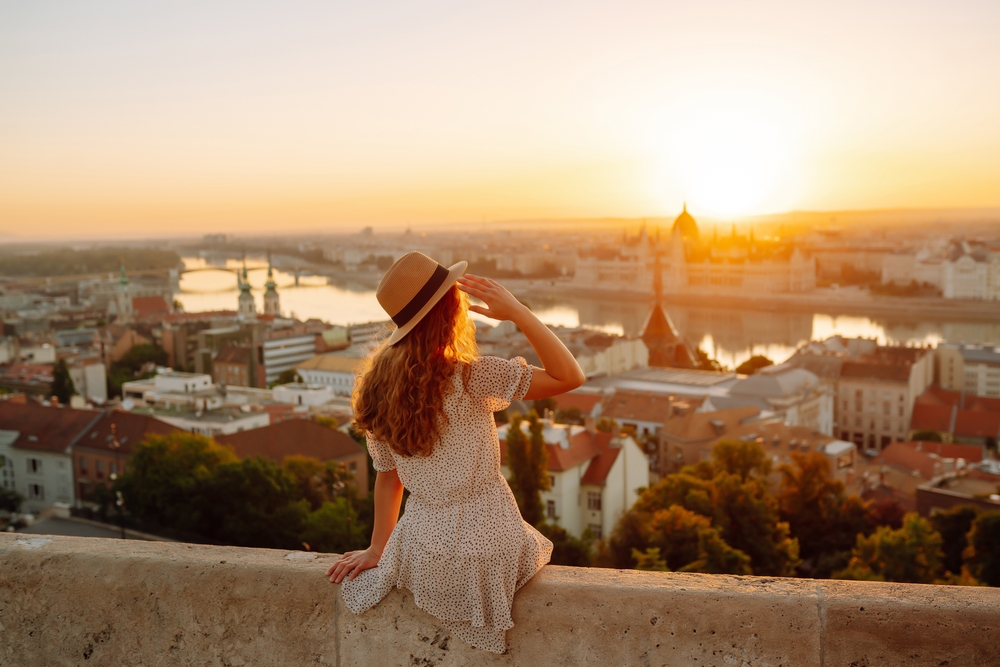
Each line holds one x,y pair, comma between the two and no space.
729,157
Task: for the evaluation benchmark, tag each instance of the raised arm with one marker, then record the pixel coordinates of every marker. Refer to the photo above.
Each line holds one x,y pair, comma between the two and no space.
388,495
560,372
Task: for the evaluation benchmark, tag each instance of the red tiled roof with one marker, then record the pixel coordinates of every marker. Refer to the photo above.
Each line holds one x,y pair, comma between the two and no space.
909,459
977,424
947,450
149,306
875,371
600,465
636,405
292,437
131,428
930,417
580,450
42,428
28,373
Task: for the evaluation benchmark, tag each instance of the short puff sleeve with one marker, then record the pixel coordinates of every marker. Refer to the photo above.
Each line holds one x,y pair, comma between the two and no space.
381,454
499,381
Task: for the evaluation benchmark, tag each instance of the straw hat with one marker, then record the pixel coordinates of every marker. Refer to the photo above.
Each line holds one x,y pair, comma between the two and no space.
411,287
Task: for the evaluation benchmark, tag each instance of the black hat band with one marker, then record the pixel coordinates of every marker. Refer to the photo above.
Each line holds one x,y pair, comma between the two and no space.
421,298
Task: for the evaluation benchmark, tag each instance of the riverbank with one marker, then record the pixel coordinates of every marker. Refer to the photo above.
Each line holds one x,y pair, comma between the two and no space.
846,301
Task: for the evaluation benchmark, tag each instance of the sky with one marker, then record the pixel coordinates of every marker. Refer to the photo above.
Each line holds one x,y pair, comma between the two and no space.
126,118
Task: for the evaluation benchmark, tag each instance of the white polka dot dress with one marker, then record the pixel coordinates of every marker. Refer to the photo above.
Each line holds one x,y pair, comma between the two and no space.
461,546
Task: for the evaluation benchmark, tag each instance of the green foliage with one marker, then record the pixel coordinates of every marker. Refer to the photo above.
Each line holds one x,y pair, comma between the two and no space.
335,527
329,422
566,549
910,554
954,526
927,435
62,383
188,483
134,364
10,499
887,512
754,364
287,376
571,415
649,560
705,363
983,553
68,262
527,459
820,515
718,516
542,404
607,425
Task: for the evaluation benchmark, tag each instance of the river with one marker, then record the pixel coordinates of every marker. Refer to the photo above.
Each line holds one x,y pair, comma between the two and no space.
729,335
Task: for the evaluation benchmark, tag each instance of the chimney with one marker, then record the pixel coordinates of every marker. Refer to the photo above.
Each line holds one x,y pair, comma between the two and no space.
590,424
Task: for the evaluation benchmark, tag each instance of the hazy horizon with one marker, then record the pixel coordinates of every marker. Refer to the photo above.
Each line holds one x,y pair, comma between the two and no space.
178,119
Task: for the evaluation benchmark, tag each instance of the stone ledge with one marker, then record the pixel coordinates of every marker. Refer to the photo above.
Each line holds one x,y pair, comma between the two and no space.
85,601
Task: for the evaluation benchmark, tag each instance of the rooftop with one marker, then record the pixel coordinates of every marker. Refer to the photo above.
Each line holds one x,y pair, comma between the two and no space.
294,436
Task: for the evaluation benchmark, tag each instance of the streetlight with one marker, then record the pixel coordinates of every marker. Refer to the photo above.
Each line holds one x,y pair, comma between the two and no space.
119,501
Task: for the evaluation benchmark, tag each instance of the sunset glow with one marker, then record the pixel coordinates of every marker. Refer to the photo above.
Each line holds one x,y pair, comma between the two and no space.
251,116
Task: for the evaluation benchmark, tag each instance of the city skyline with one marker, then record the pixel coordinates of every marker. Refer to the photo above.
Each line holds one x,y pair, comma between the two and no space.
119,120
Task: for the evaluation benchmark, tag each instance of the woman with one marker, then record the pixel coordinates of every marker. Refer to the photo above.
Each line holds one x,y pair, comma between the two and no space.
426,404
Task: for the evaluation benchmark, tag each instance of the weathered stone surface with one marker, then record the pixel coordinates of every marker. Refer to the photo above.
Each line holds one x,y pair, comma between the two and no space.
909,625
78,601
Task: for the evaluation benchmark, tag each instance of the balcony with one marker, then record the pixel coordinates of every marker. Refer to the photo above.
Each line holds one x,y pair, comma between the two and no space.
67,600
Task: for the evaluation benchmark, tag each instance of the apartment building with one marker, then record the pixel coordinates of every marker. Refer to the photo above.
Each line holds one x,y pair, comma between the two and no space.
971,369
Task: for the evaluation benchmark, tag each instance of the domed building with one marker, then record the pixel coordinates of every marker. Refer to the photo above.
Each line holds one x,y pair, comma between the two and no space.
685,224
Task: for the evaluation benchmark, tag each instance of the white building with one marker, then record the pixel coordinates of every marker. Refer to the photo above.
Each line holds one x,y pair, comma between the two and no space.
90,380
330,370
222,421
284,350
595,477
35,448
298,393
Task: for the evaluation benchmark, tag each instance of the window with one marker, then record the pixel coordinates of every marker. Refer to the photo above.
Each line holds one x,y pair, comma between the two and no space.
593,500
35,466
550,509
99,469
83,465
353,466
595,530
901,411
36,492
552,481
113,467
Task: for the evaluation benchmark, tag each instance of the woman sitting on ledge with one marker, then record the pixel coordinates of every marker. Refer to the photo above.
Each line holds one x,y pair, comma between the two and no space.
426,404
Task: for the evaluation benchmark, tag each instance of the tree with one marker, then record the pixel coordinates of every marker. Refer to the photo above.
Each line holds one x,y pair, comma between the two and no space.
739,530
540,405
983,553
10,500
131,366
329,422
335,527
571,415
62,383
754,364
607,425
318,482
820,515
527,459
954,526
910,554
287,376
926,435
566,549
165,476
705,363
887,512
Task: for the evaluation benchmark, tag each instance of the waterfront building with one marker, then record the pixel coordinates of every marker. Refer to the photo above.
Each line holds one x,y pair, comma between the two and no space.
690,264
667,349
973,369
246,307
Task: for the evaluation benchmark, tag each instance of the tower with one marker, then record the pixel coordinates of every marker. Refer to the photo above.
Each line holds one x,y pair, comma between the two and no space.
247,309
122,303
272,302
667,349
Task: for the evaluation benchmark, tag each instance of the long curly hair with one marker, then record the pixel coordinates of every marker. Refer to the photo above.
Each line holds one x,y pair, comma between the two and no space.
399,395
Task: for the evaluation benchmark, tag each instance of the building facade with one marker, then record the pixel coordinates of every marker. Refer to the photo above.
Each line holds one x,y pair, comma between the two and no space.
973,369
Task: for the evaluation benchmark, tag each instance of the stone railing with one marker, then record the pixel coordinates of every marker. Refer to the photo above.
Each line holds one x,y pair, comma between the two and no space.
78,601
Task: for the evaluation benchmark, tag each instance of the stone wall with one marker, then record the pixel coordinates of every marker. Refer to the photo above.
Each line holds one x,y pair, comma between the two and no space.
78,601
